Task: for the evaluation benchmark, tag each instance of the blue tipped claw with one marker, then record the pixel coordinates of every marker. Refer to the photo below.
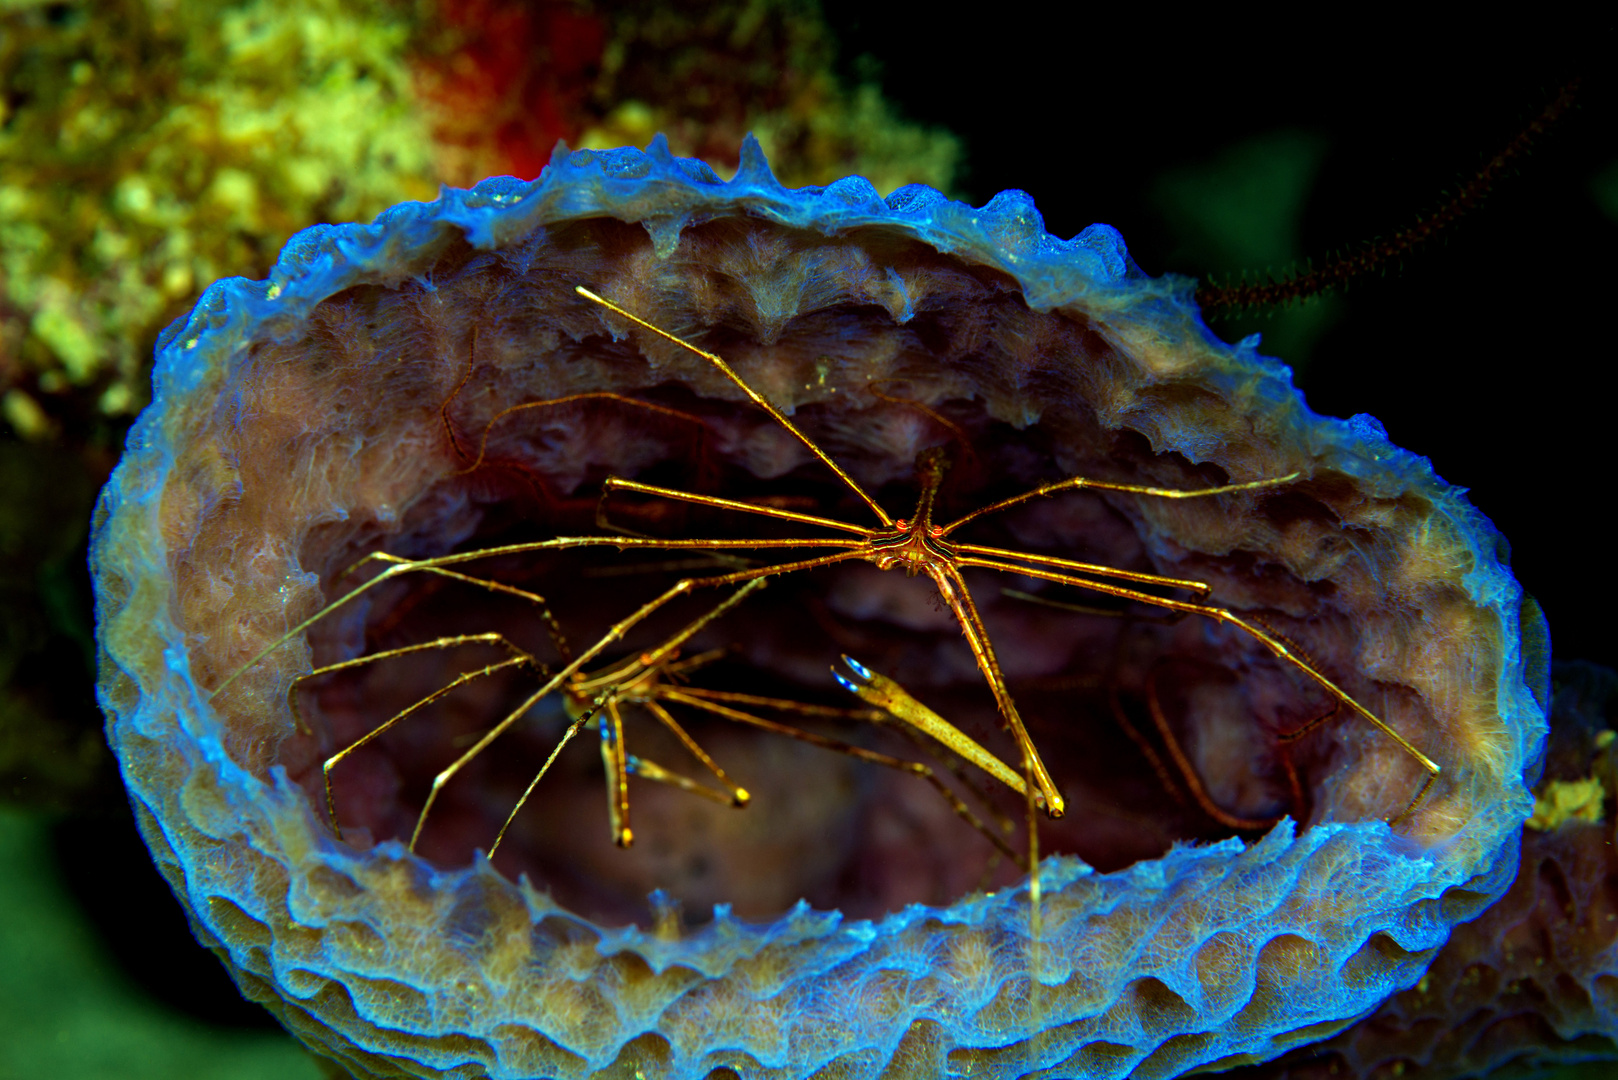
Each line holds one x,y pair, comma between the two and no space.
858,668
844,683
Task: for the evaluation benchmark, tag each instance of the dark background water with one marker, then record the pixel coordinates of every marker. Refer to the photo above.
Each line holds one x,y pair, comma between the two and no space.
1213,148
1217,149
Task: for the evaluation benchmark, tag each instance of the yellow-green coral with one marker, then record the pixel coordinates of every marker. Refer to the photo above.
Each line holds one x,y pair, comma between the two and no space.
1561,801
148,147
152,147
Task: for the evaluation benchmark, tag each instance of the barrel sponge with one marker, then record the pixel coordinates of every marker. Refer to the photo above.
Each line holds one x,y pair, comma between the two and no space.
296,421
1533,983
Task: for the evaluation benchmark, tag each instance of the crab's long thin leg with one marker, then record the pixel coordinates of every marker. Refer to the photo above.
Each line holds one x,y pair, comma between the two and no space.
460,680
616,483
626,542
709,560
692,663
614,633
669,566
403,650
895,701
615,760
1225,615
437,565
553,629
618,762
298,630
757,398
634,670
952,588
614,754
859,753
1076,483
651,770
400,566
1201,588
567,736
739,796
749,579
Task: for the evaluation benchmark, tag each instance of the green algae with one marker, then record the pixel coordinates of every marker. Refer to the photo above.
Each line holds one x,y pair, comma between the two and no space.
66,1012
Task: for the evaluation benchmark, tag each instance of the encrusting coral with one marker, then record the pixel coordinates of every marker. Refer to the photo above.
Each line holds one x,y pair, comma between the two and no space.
304,421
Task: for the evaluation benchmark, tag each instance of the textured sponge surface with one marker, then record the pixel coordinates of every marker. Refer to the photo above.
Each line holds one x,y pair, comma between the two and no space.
298,420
